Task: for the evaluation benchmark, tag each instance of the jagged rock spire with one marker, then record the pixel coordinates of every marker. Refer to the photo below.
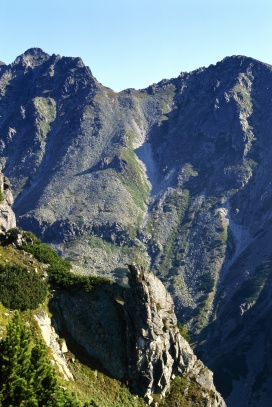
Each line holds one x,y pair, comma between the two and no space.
133,334
155,348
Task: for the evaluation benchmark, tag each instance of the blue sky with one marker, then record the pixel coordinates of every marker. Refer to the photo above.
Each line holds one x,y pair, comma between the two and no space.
129,43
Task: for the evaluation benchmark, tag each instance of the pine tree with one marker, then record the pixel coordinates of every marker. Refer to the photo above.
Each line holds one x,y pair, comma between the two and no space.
15,355
27,377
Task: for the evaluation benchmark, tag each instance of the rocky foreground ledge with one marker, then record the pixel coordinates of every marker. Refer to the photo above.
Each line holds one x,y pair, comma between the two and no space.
133,334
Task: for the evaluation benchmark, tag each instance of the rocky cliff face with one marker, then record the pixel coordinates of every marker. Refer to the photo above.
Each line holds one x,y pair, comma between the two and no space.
155,348
7,216
133,334
52,340
176,176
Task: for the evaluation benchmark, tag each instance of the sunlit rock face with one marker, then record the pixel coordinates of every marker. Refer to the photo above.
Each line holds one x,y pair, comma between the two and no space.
7,216
133,334
156,350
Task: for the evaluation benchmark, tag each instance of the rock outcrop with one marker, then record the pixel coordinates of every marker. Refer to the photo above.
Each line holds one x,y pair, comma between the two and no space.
7,216
133,334
156,350
52,340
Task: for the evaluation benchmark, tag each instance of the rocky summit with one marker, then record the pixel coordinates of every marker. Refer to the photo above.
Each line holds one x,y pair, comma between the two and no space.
175,177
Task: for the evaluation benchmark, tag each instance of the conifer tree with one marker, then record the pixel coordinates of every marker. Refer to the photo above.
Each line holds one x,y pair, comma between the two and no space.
15,354
27,377
42,374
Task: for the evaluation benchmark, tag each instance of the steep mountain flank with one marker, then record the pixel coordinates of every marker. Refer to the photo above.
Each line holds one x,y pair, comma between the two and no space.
67,147
133,333
175,176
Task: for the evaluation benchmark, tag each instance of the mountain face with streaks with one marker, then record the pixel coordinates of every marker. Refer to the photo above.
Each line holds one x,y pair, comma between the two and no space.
175,176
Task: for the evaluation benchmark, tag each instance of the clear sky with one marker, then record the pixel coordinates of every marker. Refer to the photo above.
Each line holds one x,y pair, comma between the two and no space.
134,43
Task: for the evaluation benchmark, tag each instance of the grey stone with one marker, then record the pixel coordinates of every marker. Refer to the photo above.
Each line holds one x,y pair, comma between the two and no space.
7,216
136,339
51,339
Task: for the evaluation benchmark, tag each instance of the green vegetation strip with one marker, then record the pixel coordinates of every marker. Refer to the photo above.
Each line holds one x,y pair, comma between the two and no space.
180,204
133,177
59,270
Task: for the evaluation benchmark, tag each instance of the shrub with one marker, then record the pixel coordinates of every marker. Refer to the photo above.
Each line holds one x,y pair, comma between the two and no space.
59,270
183,332
30,237
21,289
1,196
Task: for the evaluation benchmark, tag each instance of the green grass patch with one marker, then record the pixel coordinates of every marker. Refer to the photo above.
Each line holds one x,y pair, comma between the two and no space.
183,331
185,393
133,177
1,196
178,203
98,389
99,243
46,108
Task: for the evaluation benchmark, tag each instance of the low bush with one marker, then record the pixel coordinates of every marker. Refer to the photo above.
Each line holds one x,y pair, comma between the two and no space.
1,196
59,270
20,288
183,332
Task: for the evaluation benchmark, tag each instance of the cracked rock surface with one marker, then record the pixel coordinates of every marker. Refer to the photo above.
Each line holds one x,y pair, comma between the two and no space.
133,333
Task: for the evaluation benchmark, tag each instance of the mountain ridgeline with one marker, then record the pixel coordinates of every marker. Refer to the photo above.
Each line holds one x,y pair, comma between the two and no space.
175,177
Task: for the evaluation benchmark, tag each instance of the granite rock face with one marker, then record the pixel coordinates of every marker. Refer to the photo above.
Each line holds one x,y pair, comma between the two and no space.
7,216
95,321
155,348
52,340
133,334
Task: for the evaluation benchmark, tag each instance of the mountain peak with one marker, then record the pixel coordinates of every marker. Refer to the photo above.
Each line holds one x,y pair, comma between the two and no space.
240,60
31,58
